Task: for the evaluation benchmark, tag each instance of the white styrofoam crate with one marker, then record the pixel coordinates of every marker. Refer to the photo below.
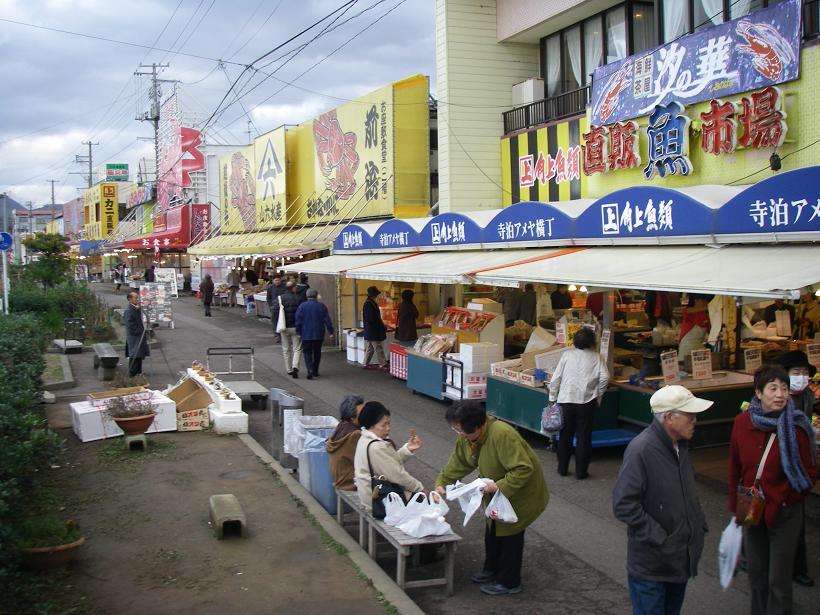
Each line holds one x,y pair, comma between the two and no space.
91,423
226,405
351,353
228,422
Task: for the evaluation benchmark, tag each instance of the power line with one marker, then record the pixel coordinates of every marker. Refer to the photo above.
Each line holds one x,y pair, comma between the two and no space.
258,30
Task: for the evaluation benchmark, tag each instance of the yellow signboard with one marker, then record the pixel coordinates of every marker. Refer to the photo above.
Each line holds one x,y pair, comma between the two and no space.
110,208
271,187
237,191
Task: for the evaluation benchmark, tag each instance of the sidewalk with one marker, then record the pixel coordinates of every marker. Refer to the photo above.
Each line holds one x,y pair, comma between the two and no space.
575,554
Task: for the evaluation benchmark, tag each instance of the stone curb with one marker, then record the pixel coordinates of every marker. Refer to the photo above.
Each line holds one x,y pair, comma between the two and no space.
378,577
67,381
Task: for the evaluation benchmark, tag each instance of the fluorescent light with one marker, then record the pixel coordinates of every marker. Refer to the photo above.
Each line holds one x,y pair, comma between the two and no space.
572,288
583,289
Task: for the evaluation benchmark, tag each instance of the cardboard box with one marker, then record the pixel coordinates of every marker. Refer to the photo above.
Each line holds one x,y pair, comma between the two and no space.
101,399
485,305
527,378
193,420
540,339
507,369
90,422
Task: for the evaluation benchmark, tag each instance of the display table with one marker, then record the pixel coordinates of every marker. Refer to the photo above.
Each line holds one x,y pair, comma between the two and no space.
425,374
727,389
522,405
262,307
91,423
226,414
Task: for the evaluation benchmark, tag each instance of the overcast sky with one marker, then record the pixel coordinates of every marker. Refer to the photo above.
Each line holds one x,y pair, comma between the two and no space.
60,90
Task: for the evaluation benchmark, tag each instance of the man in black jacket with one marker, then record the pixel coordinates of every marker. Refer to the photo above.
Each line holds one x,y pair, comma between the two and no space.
655,496
273,292
136,341
291,342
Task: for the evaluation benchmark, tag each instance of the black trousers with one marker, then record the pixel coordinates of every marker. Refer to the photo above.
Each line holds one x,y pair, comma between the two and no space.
577,423
503,556
312,351
801,560
207,309
134,366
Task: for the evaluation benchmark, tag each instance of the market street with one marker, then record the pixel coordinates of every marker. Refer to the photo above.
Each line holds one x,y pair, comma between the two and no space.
575,553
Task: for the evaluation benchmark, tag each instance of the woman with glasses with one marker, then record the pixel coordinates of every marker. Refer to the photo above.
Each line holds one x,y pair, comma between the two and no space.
501,455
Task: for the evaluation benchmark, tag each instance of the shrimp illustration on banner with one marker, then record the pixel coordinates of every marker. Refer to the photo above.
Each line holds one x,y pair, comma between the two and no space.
770,52
617,83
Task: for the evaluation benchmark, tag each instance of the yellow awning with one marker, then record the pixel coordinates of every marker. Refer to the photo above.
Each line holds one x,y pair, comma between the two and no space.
268,242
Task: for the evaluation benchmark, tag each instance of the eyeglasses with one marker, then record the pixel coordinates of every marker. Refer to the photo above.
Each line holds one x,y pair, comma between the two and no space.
457,430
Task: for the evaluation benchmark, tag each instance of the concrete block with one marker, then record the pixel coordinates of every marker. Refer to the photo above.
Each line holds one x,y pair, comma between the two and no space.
227,514
228,422
49,397
136,443
106,373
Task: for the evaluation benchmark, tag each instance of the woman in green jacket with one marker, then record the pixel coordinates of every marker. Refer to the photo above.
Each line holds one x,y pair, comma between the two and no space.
500,454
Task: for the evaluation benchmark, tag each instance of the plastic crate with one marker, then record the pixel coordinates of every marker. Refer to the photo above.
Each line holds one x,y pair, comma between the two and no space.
398,361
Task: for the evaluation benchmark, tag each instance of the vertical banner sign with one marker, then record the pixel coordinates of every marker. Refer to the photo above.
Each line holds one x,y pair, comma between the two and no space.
701,364
752,359
813,353
757,50
110,209
606,334
271,189
669,366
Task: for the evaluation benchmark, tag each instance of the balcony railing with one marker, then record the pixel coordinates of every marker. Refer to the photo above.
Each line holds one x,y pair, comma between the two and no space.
546,110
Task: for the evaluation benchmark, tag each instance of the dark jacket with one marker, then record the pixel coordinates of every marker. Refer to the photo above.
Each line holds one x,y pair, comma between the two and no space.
374,329
251,277
291,301
206,287
150,276
136,339
312,318
528,306
406,322
655,496
301,291
341,448
273,293
559,301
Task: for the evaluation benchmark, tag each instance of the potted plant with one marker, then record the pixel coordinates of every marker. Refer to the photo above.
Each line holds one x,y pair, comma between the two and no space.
133,416
47,542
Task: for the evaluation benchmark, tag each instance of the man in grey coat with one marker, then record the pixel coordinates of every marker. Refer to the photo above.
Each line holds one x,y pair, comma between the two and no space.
655,496
136,341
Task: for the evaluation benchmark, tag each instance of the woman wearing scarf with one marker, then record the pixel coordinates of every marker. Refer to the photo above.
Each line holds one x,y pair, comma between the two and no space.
500,454
341,446
789,472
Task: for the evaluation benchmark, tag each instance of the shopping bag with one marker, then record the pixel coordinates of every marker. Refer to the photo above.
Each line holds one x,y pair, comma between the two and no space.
394,508
469,496
552,419
729,552
423,503
500,509
425,524
281,325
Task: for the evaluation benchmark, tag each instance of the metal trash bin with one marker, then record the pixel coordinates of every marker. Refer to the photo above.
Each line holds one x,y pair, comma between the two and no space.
275,422
290,408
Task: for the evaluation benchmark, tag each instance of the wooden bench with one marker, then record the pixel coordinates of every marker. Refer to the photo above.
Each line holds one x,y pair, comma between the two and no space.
106,360
400,541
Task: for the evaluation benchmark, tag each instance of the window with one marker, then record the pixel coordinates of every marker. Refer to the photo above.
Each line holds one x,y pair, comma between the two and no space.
552,65
675,19
571,67
616,47
681,17
643,27
593,47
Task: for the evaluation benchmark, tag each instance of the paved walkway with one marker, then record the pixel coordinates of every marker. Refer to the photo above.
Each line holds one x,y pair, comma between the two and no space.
575,553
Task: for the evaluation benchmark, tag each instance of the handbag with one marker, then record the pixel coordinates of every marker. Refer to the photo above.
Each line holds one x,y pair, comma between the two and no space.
750,500
281,325
552,419
381,488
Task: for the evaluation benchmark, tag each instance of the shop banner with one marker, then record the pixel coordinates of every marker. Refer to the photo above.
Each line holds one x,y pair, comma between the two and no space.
451,229
140,195
755,51
271,186
529,222
237,191
394,233
200,221
109,205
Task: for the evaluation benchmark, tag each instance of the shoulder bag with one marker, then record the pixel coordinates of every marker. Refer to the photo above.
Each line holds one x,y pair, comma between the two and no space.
381,488
281,325
750,500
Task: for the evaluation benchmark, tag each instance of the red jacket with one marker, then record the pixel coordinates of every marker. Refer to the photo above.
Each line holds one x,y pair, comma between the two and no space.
745,452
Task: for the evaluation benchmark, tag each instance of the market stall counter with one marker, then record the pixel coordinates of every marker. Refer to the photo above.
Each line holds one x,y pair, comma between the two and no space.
424,374
728,389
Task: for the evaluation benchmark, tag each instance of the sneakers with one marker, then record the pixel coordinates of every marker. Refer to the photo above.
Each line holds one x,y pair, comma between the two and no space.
484,577
496,589
804,580
295,373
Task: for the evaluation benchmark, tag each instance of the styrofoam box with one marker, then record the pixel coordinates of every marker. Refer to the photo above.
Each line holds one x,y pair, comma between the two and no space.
475,391
477,357
92,423
360,356
228,422
351,354
226,405
360,342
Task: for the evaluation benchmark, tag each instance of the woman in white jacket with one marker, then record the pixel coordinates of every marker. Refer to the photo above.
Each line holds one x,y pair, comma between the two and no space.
385,459
578,384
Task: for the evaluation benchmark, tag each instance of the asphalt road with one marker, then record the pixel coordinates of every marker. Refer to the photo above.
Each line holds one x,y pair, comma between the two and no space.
575,553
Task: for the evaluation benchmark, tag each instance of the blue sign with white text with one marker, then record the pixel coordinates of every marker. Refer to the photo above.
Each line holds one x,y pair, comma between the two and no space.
353,237
395,233
754,51
6,241
450,229
529,222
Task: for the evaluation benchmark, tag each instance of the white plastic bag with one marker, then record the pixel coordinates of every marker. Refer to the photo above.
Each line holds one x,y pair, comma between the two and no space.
426,524
729,552
500,509
395,509
469,496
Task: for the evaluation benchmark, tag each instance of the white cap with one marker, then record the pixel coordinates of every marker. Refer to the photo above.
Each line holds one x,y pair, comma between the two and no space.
675,398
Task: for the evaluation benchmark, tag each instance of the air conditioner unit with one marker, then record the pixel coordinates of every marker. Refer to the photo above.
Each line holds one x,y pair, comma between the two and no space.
527,92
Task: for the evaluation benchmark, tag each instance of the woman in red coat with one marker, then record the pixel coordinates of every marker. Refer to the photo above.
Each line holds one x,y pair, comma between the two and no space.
789,472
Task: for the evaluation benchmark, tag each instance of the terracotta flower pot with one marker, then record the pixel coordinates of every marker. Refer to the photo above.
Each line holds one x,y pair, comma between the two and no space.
135,425
48,558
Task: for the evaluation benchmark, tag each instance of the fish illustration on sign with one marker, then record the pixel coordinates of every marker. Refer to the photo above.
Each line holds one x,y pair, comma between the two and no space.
769,50
612,93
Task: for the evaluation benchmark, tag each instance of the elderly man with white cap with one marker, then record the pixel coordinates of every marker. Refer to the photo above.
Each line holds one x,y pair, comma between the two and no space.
655,496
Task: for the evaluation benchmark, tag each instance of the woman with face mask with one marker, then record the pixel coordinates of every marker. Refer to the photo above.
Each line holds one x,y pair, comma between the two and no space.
800,371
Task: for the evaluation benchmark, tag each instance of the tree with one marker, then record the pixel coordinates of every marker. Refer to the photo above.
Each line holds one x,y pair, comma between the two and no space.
52,264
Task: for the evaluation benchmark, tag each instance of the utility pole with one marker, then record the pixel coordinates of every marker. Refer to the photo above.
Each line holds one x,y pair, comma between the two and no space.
30,206
153,114
53,203
5,197
87,159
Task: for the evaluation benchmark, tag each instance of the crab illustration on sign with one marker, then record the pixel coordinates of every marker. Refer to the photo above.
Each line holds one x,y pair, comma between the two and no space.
336,151
769,50
243,196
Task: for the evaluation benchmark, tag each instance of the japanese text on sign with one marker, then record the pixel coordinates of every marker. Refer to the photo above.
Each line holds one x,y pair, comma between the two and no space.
393,240
564,167
444,232
352,239
630,219
540,228
701,364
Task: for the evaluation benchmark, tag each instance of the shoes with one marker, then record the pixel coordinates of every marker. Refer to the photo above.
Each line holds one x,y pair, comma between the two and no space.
560,473
483,577
370,367
497,589
290,372
583,476
804,580
310,376
385,367
295,373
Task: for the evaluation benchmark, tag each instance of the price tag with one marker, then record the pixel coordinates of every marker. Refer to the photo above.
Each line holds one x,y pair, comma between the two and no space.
561,333
606,334
752,359
813,353
669,366
783,323
701,364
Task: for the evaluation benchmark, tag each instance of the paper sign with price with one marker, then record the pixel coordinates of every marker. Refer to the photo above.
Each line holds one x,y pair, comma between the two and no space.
606,334
752,359
813,354
701,364
669,366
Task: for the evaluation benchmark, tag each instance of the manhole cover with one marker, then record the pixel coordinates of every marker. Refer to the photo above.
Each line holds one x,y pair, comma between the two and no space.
239,474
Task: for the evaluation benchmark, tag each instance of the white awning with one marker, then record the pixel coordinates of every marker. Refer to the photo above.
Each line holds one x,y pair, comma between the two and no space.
339,263
444,267
751,271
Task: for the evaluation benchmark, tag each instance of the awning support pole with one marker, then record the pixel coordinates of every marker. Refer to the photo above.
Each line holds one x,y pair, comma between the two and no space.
355,303
609,318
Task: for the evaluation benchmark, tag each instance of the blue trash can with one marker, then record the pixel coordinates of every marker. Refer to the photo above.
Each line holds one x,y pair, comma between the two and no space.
321,480
308,463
